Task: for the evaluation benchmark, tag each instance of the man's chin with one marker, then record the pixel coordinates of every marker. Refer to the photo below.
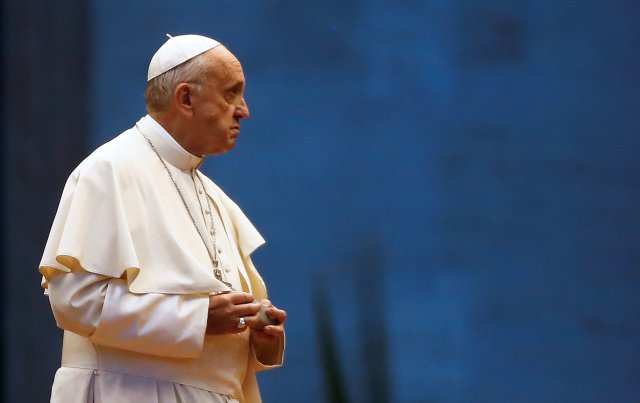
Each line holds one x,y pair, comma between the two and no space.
225,149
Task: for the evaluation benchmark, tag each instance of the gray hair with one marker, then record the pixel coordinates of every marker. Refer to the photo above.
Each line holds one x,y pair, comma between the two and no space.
161,88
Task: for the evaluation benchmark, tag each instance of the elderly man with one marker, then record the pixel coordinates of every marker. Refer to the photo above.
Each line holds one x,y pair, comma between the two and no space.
147,266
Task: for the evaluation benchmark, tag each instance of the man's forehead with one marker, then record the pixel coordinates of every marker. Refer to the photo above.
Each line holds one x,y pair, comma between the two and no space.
224,56
224,64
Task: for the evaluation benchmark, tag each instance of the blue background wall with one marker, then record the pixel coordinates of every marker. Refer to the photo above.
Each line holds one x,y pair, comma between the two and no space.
461,175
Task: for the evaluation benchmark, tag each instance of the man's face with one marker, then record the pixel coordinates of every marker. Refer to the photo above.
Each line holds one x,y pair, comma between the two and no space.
219,105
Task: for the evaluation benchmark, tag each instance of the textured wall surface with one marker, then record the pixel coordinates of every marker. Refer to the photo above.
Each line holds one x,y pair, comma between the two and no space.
458,180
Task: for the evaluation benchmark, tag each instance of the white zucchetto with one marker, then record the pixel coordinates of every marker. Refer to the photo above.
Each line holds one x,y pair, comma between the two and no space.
177,50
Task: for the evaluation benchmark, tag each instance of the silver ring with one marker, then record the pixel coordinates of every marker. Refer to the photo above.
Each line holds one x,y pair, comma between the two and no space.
241,323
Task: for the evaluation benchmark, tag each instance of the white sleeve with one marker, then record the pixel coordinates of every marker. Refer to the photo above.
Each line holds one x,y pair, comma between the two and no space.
104,310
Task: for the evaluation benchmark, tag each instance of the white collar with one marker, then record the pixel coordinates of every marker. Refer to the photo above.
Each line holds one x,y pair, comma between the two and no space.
167,146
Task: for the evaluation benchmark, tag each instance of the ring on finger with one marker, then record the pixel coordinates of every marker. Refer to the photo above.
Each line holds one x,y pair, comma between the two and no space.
241,323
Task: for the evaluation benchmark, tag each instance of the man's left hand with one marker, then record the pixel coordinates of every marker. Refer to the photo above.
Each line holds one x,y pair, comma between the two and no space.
265,339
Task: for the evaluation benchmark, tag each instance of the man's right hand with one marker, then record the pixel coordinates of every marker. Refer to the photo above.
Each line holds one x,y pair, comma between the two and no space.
226,309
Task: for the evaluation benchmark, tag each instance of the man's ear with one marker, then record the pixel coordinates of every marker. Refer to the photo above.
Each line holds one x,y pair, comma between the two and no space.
182,98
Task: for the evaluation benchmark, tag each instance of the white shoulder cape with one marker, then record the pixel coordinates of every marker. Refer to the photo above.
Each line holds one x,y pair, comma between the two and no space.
120,216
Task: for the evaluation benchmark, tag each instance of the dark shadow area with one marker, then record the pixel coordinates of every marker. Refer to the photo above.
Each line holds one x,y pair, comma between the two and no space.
45,80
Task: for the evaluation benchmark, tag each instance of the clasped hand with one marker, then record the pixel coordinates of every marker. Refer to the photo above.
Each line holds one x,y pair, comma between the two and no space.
226,309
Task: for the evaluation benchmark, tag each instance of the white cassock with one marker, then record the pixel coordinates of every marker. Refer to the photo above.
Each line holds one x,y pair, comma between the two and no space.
129,278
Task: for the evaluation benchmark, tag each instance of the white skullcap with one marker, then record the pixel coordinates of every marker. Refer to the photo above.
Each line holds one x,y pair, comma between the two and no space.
177,50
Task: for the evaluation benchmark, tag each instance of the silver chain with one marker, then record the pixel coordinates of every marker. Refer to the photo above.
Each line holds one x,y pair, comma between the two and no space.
212,256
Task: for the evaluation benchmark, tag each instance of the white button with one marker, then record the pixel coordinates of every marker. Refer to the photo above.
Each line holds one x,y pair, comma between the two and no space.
219,251
227,269
207,212
212,231
200,191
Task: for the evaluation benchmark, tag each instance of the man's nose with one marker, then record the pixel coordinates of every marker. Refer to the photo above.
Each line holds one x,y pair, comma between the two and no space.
243,110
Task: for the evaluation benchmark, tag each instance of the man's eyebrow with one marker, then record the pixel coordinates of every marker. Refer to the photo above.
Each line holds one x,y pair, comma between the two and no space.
236,86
